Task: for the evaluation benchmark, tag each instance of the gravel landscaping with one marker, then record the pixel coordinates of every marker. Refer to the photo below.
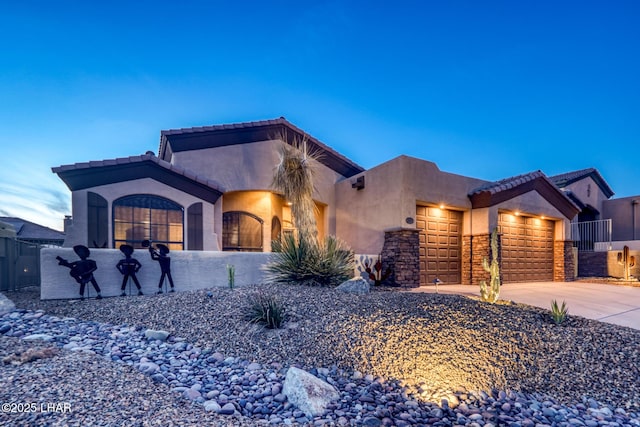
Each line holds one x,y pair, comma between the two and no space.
392,355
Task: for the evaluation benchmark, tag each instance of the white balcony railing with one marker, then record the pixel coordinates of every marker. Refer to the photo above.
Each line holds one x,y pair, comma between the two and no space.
590,236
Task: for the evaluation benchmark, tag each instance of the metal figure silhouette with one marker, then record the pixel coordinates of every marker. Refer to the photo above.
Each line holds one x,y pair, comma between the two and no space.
128,266
162,256
82,270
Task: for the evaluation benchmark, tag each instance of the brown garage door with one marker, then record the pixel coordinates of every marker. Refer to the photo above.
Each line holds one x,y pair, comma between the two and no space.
527,248
440,244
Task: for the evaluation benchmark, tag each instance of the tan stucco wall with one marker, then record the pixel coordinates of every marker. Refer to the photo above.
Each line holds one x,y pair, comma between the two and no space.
77,233
250,167
392,191
595,197
624,217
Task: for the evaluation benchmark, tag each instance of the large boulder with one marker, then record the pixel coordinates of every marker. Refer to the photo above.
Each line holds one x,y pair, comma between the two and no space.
357,285
309,393
151,334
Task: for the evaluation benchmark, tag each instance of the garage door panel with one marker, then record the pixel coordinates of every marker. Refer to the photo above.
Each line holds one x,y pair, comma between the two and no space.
527,248
442,244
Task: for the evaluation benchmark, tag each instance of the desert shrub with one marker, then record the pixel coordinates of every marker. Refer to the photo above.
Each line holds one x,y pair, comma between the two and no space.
267,310
325,264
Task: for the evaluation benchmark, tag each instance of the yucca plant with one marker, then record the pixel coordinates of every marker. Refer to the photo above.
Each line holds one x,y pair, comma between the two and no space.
267,310
299,261
559,312
293,177
334,262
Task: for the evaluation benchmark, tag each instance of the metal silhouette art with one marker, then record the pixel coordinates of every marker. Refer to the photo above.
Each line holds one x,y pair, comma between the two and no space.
161,254
128,266
82,270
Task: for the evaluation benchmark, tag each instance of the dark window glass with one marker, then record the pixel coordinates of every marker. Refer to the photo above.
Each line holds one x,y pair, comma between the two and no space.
97,221
147,217
194,227
241,231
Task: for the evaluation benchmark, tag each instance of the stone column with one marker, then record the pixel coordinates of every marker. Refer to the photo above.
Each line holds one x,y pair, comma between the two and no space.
563,261
401,252
467,265
481,250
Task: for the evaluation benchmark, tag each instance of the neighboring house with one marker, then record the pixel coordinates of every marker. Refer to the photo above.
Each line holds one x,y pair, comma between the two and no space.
209,188
607,223
604,226
30,232
20,243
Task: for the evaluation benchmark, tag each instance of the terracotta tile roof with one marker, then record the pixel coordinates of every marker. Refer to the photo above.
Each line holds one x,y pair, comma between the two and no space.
508,183
132,160
564,179
80,176
219,135
496,192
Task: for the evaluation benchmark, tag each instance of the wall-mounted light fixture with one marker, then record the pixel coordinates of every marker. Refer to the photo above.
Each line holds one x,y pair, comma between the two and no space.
358,184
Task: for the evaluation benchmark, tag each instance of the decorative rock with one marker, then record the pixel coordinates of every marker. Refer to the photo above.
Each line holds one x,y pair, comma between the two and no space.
5,328
357,285
254,366
227,409
151,334
372,422
41,337
309,393
148,368
211,406
191,394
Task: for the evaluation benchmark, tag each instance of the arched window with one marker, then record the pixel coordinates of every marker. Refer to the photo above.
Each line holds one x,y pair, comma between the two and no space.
97,221
241,231
146,217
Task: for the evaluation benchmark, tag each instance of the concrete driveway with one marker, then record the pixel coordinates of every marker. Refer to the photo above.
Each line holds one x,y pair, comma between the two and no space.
615,304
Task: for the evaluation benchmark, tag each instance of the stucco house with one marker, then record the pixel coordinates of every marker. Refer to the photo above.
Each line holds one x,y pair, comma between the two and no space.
209,188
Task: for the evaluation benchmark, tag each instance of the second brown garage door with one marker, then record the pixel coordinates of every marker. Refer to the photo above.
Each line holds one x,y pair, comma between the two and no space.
527,248
440,244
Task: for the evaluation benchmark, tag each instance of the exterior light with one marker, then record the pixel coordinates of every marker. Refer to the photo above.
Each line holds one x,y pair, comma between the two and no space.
517,213
441,205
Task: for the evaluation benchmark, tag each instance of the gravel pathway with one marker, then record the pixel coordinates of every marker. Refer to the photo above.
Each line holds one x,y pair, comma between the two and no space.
414,348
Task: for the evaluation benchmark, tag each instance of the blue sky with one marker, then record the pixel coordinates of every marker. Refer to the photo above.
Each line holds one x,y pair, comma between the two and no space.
488,89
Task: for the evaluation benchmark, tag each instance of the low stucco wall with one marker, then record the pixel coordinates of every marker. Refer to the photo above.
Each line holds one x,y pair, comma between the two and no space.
190,270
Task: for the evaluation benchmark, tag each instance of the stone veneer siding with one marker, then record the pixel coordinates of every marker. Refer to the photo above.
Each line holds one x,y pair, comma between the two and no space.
592,264
401,252
563,261
473,252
